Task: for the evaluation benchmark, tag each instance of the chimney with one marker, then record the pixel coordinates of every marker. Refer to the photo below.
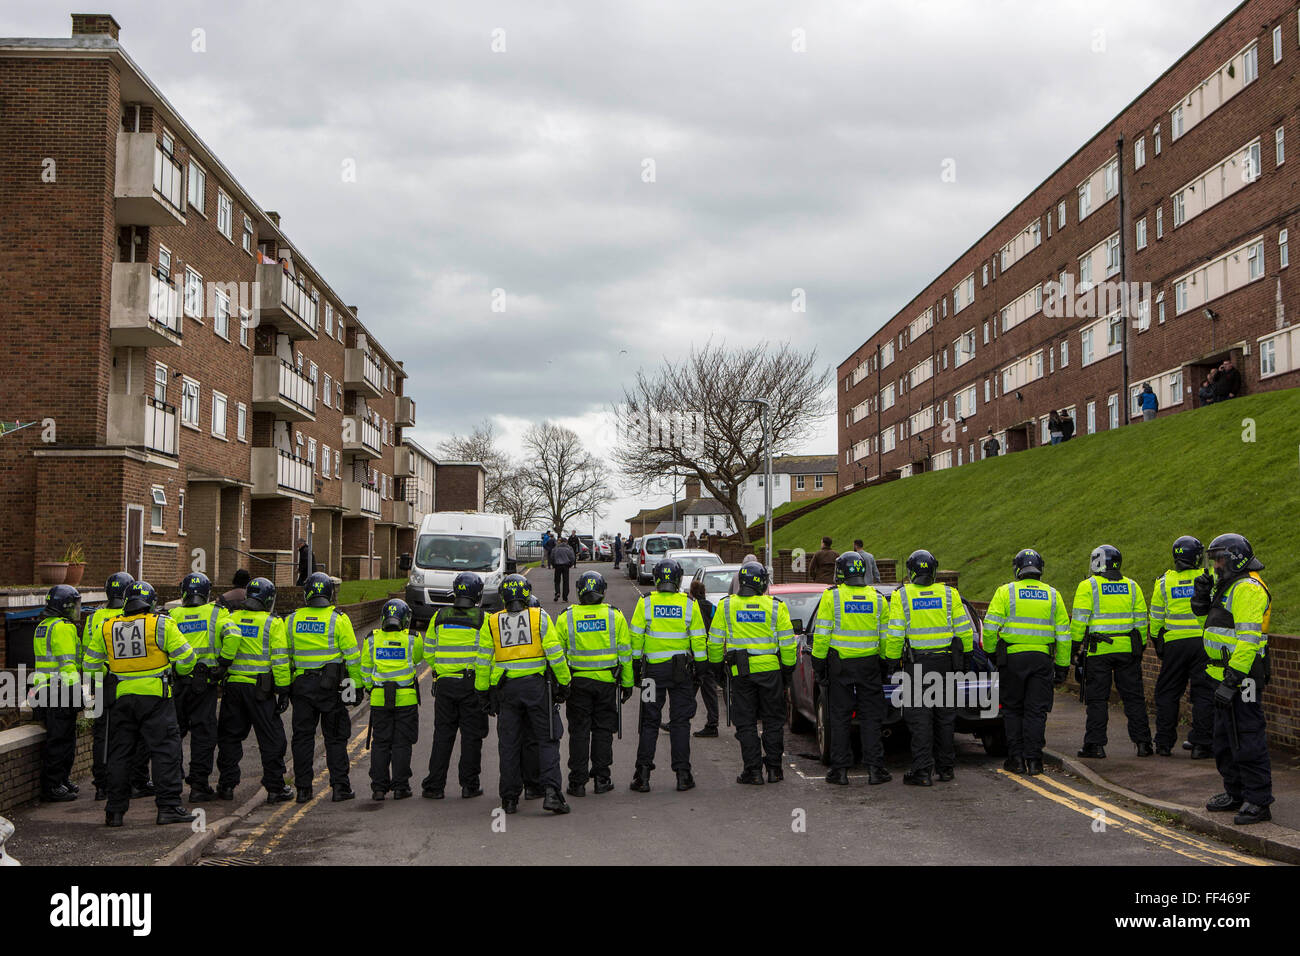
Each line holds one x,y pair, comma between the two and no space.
94,24
353,310
692,488
274,217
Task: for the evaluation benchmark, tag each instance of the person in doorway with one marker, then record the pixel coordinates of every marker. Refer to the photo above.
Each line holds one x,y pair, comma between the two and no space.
1067,426
304,562
1054,427
1206,391
1227,383
991,446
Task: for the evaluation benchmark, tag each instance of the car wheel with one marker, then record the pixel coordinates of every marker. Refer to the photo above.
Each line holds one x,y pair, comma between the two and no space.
797,721
823,730
995,743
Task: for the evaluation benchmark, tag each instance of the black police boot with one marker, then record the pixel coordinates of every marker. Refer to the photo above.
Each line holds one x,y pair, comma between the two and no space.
685,781
533,793
429,793
59,794
510,804
283,795
1201,752
754,777
1223,803
877,776
1093,750
113,818
576,789
1164,750
101,793
775,774
304,794
177,814
378,795
1144,749
554,801
944,774
706,732
202,794
603,785
469,790
342,791
640,780
225,793
840,776
918,778
1034,766
67,782
147,789
1014,765
1252,813
402,793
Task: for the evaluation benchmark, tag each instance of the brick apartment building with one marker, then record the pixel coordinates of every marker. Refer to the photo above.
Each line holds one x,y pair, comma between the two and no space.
202,394
1188,189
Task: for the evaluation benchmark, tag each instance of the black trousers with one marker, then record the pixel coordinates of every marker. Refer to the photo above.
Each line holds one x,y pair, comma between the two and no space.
1184,663
242,711
139,717
759,697
1244,766
456,708
60,748
592,710
562,581
1025,688
99,735
680,696
523,704
394,731
855,685
709,695
931,728
1126,673
313,705
196,714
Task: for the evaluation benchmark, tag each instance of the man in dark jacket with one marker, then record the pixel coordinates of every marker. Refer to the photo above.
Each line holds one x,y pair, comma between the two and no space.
304,562
992,446
618,549
1067,426
233,600
563,557
1227,384
822,566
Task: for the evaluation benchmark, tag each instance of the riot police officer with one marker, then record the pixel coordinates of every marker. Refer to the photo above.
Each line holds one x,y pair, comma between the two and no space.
451,648
115,590
1175,633
56,690
389,657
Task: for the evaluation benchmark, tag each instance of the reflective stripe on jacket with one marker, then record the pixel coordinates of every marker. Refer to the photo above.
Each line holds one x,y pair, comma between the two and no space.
1111,609
1171,606
759,625
666,624
927,619
1030,616
596,642
849,620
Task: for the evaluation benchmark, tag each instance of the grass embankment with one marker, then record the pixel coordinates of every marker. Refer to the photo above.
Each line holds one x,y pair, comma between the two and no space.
1230,467
354,592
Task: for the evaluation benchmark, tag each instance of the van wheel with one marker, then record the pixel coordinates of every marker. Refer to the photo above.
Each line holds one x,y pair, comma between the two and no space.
995,743
823,730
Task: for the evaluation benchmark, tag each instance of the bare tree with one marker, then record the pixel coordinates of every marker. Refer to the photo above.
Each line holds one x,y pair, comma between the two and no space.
566,477
688,419
517,498
481,445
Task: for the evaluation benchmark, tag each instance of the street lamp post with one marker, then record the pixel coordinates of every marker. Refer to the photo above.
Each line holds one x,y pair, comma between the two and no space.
764,411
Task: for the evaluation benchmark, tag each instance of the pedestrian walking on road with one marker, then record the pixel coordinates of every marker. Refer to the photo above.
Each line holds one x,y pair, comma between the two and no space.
451,648
548,545
1175,632
389,657
563,558
822,566
618,550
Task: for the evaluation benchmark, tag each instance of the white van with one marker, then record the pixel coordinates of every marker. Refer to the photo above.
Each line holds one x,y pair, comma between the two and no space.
650,550
450,542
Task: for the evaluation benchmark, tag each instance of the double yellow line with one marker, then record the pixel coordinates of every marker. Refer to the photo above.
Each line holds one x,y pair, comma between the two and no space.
1126,821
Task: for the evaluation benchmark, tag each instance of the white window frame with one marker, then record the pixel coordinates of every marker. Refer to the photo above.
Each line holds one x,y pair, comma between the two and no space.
1160,222
225,214
193,297
180,512
1092,418
1065,353
158,504
1112,411
1139,152
1140,228
246,238
188,386
221,313
241,422
1060,215
798,483
1283,250
219,400
196,187
162,377
819,482
1279,146
327,391
244,316
1277,44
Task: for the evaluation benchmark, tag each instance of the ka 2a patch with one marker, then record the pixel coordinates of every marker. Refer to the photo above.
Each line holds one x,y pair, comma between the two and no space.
1115,587
668,610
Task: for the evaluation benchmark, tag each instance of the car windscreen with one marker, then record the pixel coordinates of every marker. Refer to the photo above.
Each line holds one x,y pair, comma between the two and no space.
718,580
802,606
457,552
691,564
660,545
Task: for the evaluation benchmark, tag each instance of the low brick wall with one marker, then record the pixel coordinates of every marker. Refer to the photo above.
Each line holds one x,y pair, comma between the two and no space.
20,762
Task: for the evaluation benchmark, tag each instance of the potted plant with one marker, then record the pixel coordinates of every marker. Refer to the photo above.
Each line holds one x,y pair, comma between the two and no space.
75,557
52,572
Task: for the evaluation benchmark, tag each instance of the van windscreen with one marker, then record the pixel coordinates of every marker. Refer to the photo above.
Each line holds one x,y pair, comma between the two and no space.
660,545
455,552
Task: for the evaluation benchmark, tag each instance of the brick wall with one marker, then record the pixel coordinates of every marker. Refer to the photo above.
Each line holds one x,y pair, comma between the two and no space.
20,767
460,488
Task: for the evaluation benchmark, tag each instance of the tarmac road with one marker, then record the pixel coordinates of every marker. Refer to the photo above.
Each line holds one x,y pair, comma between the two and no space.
985,816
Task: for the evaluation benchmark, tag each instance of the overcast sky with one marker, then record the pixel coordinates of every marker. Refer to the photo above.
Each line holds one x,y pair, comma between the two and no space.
523,169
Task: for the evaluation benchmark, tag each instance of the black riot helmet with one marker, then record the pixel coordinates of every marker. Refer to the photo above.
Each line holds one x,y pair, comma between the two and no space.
591,587
318,590
259,595
751,579
850,569
515,591
1187,553
195,589
1027,563
922,567
141,598
396,616
63,600
466,590
668,575
115,587
1233,556
1105,560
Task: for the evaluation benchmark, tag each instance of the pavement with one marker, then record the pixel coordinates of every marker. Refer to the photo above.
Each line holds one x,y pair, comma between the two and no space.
1121,811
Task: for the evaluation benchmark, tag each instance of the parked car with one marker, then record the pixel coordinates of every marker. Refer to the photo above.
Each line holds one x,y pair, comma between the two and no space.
586,547
717,579
650,549
604,551
692,560
808,706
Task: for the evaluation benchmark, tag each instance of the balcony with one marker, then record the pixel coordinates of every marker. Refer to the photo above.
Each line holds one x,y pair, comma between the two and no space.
145,308
404,417
361,373
149,185
277,473
403,514
360,500
279,388
141,421
403,463
361,438
285,302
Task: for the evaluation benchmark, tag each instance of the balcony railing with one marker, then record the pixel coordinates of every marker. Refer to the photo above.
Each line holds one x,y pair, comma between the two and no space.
164,302
279,388
144,309
285,302
296,387
159,426
361,373
404,415
293,473
168,178
142,421
149,184
361,437
360,500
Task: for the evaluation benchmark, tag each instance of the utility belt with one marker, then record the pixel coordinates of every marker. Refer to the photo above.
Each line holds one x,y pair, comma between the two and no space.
739,658
1091,640
390,689
330,675
468,672
165,678
1003,651
198,680
1261,661
954,652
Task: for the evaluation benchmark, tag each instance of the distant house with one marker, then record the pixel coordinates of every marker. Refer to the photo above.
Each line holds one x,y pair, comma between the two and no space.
695,512
794,478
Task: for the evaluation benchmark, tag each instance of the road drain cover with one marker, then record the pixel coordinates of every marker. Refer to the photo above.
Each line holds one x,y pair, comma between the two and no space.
225,861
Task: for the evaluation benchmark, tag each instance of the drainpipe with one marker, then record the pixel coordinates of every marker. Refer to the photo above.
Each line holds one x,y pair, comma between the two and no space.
1123,278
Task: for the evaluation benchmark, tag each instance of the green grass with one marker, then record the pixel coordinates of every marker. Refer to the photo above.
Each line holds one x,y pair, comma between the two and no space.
354,592
1137,488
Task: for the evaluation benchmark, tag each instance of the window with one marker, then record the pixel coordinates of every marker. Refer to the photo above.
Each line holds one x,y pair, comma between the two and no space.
1176,122
328,390
243,327
1160,222
1140,152
190,402
818,482
886,354
311,452
164,263
193,294
198,186
963,348
338,395
988,395
1277,44
887,396
325,461
1180,297
241,421
1112,412
180,512
964,402
1180,209
1112,256
221,314
315,385
225,214
1065,353
986,333
1092,417
887,440
1160,307
1085,273
1255,260
984,275
1279,146
1155,139
1250,65
160,376
1141,227
336,462
219,409
1144,315
159,501
1060,215
329,319
1085,346
1085,200
1283,257
1268,357
798,483
247,240
1112,179
1253,165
